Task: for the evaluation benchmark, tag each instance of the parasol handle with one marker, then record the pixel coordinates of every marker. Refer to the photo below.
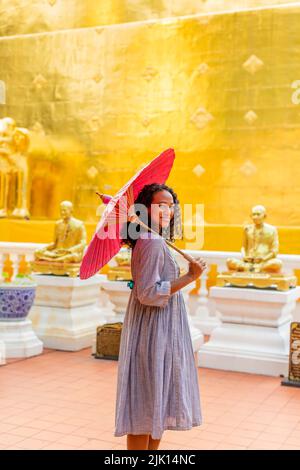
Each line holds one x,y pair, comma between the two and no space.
185,255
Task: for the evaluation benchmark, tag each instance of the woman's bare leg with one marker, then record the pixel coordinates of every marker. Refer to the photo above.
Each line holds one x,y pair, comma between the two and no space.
137,442
153,443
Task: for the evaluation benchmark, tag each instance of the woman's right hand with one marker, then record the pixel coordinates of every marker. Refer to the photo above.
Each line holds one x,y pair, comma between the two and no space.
196,268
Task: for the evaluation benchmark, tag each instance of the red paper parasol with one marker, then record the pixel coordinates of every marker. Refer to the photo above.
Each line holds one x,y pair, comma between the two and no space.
107,241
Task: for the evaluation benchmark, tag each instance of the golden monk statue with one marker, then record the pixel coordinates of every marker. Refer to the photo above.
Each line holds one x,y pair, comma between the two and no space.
64,255
122,271
14,143
260,246
259,266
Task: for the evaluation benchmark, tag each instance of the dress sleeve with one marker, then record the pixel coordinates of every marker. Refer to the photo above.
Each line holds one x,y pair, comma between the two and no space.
151,289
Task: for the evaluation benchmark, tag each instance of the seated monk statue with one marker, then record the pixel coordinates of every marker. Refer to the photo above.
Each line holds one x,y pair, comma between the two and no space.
123,269
123,258
260,246
69,240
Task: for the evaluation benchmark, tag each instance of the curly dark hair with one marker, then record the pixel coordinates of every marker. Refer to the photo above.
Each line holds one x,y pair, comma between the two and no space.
145,197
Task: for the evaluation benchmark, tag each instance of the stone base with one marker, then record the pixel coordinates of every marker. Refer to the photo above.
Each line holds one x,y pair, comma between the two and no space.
55,267
254,332
19,339
118,293
207,325
119,273
65,313
240,348
2,353
66,329
191,304
197,337
205,319
280,281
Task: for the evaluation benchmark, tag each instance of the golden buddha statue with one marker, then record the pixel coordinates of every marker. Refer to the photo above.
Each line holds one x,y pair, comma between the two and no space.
14,143
121,272
259,266
260,246
63,256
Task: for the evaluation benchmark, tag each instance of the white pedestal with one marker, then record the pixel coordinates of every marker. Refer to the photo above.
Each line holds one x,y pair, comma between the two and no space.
196,333
118,293
206,317
65,313
201,310
2,353
19,339
254,332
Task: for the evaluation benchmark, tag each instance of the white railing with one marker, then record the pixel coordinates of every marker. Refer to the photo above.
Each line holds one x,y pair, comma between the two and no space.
15,251
200,307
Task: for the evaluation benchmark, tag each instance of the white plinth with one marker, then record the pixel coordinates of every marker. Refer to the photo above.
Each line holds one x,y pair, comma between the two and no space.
66,313
19,339
201,310
2,353
118,293
196,333
206,317
114,310
254,332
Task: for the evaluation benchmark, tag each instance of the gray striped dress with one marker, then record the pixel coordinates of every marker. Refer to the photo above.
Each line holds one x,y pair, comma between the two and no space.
157,385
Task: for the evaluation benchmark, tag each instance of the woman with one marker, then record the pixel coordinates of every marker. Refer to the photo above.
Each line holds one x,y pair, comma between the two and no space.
157,376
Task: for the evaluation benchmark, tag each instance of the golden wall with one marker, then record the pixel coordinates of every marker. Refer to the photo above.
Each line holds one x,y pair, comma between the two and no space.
32,16
101,101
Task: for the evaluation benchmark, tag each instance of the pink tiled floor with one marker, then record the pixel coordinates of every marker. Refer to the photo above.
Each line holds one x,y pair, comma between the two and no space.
64,400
